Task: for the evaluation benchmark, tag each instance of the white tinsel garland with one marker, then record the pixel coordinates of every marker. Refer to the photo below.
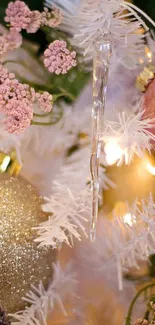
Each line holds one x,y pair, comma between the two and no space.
69,204
93,18
130,132
123,244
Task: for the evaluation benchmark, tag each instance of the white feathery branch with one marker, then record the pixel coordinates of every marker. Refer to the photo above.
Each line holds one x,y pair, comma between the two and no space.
131,133
42,302
125,242
68,213
69,5
93,18
69,205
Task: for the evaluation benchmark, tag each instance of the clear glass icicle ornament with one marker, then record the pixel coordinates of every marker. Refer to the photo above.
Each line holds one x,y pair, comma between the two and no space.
101,62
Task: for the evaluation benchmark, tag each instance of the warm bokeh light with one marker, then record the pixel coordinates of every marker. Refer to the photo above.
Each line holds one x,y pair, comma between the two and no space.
148,54
150,168
4,164
129,219
113,152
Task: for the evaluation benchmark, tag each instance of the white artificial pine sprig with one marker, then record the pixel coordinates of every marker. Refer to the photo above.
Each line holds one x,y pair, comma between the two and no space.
69,5
131,133
126,240
42,302
69,211
92,18
69,205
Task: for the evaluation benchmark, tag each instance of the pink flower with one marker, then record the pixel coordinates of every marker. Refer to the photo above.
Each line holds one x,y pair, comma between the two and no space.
10,41
14,39
51,18
58,58
16,101
149,104
5,75
18,15
3,46
35,22
13,89
45,101
19,116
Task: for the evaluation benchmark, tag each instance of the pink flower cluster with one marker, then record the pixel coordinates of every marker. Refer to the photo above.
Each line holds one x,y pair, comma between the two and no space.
18,15
16,99
21,17
16,102
19,116
10,41
58,58
44,101
35,22
51,18
5,75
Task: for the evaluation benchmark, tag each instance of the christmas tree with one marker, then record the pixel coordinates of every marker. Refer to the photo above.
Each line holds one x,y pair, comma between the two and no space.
77,163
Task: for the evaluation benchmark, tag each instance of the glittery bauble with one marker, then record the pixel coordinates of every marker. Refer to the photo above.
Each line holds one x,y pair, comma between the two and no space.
22,262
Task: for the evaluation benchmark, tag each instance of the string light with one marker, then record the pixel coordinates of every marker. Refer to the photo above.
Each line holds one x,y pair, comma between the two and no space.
129,219
113,152
4,164
150,168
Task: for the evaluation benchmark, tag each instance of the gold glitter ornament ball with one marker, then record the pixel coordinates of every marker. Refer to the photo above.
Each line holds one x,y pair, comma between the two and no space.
22,263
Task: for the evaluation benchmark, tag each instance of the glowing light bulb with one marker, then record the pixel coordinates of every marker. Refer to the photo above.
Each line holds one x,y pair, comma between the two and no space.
150,168
129,219
4,164
113,152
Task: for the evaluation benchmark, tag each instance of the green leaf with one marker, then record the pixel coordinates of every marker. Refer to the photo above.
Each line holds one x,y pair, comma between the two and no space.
72,83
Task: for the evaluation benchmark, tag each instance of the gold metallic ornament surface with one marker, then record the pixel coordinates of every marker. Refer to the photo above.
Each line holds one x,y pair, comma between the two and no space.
145,77
136,180
22,263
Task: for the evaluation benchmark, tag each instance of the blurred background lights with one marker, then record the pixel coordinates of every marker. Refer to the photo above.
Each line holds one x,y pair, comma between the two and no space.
150,168
113,152
129,219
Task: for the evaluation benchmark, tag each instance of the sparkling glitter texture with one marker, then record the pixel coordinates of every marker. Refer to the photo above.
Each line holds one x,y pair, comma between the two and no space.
22,263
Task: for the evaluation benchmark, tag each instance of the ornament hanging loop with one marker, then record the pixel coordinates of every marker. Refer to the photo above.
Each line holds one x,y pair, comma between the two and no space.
101,62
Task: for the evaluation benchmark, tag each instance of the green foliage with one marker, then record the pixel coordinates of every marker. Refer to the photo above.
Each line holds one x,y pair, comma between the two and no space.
69,85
